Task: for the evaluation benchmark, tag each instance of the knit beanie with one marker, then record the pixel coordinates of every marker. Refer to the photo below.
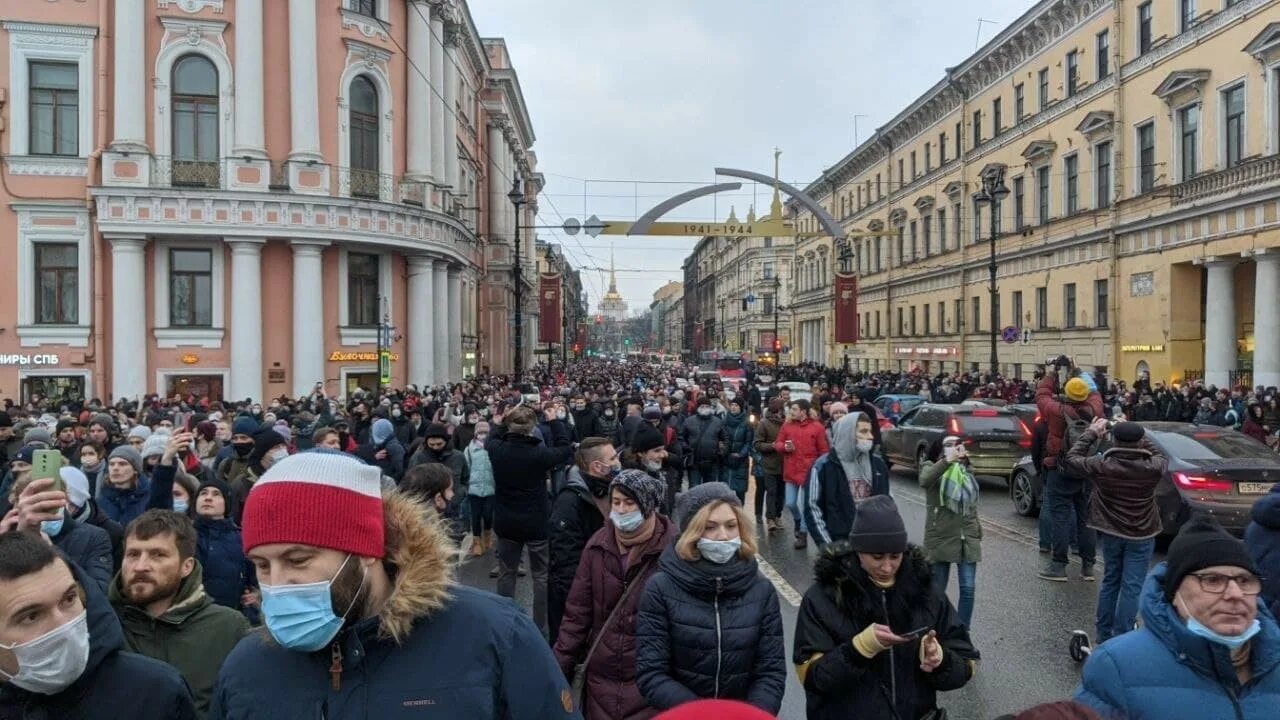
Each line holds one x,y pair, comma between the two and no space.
328,500
244,425
646,490
436,430
646,438
381,431
282,429
142,432
1077,390
223,489
129,455
263,441
877,527
690,502
63,424
719,709
77,485
1128,433
105,421
1202,543
154,446
37,435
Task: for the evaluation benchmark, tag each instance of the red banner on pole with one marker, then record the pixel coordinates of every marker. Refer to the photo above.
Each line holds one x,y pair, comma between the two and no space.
549,309
697,337
846,299
582,336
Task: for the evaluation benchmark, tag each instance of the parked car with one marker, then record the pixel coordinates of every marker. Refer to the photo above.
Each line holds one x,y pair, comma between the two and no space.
893,407
1028,413
995,438
1211,469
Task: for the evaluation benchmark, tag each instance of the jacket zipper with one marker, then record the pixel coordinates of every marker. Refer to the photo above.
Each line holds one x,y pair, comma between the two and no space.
719,587
893,675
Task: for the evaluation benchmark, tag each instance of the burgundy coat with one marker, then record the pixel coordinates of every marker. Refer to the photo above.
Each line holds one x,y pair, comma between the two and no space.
1055,413
611,692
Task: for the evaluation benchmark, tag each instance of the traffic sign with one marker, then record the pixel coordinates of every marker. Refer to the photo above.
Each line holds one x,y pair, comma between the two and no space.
594,226
1026,336
1010,334
571,226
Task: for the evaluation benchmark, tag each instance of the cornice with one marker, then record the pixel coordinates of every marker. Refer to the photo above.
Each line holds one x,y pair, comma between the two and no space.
1176,44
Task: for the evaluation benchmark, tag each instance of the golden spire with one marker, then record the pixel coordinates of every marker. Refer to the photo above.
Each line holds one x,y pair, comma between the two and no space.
775,209
613,278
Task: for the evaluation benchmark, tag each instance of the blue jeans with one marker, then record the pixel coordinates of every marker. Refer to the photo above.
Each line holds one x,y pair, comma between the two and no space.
967,576
1065,497
1122,578
793,504
699,474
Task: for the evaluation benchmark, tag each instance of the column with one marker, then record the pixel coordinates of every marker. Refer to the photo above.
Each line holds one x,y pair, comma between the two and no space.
419,330
455,323
130,75
249,129
128,317
1219,322
304,104
418,161
498,186
440,321
1266,322
437,98
246,319
308,316
450,110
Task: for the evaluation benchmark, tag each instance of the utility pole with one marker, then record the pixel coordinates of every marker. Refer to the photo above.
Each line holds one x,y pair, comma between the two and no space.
993,192
517,200
721,304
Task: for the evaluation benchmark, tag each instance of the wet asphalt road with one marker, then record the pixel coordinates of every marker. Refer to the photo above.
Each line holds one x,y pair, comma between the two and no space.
1021,624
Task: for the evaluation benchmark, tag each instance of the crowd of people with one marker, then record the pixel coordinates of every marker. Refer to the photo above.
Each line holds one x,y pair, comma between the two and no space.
234,557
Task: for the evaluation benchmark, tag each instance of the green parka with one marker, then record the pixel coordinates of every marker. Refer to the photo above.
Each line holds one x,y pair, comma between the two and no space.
948,536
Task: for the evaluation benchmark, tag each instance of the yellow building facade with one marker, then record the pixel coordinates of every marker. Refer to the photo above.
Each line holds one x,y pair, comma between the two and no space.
1139,143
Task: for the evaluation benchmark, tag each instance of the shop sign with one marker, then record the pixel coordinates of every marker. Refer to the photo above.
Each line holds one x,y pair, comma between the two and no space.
275,376
1141,348
926,351
340,356
20,359
190,359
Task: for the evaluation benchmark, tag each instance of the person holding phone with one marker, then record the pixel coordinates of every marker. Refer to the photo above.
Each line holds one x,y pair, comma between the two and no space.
875,640
952,531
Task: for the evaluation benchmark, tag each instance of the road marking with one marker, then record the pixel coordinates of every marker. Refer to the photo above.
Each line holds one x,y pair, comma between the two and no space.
780,584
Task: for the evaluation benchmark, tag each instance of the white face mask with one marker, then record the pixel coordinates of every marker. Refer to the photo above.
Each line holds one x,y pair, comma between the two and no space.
49,664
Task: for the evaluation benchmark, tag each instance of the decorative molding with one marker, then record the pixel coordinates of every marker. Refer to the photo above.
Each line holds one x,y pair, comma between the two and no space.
192,6
204,337
372,28
1266,43
1180,81
50,223
45,41
371,56
954,190
898,217
47,165
992,168
1039,151
45,34
193,32
1192,37
168,337
924,204
38,335
1096,124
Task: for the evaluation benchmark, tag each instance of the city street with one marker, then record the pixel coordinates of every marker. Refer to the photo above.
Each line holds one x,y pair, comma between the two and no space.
1021,623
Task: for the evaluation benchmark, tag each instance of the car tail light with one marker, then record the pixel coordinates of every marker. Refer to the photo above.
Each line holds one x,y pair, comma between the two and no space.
897,408
984,413
954,426
1025,442
1037,420
1199,483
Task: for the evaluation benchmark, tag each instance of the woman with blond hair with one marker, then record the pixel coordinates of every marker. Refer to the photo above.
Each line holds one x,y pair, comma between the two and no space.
709,624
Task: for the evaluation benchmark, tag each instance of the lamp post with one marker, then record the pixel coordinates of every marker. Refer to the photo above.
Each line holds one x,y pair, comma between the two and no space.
993,192
517,200
777,305
846,265
720,303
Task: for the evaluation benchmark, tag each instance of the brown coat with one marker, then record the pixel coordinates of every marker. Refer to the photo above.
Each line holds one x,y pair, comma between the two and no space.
1124,486
610,691
766,433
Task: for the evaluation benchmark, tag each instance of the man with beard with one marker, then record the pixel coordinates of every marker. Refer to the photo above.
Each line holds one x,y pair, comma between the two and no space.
163,607
359,596
578,512
66,442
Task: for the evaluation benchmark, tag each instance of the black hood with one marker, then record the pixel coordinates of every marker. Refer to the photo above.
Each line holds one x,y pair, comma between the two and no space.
841,576
702,578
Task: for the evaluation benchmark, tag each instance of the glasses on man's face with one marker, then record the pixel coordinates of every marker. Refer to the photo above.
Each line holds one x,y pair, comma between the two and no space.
1216,583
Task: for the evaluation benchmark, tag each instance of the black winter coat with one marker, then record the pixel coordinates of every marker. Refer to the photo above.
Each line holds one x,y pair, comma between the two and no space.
586,424
115,531
521,505
705,439
710,631
89,547
841,684
575,517
227,572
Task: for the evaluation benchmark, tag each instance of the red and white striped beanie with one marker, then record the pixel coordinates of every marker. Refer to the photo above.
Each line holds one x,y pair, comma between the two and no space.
327,500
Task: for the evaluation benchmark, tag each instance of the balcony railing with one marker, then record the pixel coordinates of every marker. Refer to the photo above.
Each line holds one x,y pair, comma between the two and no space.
1239,178
184,173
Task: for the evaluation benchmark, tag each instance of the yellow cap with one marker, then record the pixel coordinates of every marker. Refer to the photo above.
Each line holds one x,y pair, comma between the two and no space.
1077,390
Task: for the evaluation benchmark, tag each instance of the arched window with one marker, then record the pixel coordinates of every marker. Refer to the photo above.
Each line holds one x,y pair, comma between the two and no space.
364,138
195,122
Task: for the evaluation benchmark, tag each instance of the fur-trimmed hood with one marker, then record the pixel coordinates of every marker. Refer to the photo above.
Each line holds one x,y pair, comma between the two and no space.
842,578
419,556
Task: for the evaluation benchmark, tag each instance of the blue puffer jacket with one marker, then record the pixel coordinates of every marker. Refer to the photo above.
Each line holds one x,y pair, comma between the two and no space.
1263,540
710,631
1163,672
434,650
226,570
125,505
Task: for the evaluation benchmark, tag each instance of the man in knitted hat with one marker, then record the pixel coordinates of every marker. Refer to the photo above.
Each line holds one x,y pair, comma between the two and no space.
102,429
1205,648
1067,411
268,448
233,460
359,598
126,494
66,441
1123,510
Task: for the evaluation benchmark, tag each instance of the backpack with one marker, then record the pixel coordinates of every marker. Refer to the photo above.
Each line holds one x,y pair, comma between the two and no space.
1074,429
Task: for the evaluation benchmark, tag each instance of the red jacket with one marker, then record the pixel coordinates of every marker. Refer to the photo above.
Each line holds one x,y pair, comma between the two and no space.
810,441
1055,413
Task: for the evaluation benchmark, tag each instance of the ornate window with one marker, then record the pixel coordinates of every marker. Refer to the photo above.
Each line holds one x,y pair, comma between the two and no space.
364,138
190,287
195,122
362,289
57,269
54,108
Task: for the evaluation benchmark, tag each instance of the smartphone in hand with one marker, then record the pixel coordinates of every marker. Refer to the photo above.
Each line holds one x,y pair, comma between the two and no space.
46,464
915,634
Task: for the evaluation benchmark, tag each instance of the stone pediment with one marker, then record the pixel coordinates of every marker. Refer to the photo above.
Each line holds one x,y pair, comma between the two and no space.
875,225
954,190
898,217
991,169
1096,124
924,203
1266,44
1039,151
1180,81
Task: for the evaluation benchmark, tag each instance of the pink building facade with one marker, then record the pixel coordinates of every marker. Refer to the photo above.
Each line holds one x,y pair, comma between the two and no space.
226,197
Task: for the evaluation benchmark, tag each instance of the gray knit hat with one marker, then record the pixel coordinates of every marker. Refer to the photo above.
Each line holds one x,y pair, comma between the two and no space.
878,527
129,455
154,446
699,496
647,491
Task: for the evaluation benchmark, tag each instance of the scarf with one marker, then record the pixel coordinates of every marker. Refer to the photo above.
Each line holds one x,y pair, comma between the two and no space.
958,491
632,545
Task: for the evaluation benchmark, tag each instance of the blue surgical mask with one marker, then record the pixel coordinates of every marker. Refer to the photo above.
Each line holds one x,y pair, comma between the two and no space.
719,551
1231,642
300,617
180,506
53,527
627,522
615,471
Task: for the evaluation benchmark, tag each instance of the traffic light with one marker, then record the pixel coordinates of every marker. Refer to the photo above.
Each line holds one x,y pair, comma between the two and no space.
627,341
577,347
777,346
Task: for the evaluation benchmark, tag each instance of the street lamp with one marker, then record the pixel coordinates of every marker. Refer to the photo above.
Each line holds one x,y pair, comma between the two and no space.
993,192
517,200
846,266
721,304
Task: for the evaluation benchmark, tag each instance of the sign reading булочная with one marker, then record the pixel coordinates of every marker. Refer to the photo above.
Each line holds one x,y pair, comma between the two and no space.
341,356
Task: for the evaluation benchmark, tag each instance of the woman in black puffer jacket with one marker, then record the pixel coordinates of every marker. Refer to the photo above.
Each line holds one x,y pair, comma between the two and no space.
850,658
709,624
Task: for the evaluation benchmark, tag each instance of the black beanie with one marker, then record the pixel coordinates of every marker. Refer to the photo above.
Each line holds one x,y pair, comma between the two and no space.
263,441
1202,543
646,438
436,430
878,527
221,487
1129,433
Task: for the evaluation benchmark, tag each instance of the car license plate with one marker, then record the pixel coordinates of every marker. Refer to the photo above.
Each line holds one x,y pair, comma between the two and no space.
993,446
1254,488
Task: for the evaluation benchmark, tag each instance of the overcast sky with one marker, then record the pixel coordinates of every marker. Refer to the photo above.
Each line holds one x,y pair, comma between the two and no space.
628,95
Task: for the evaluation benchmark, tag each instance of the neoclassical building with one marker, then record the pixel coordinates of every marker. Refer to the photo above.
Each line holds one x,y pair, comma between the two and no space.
231,197
1139,144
